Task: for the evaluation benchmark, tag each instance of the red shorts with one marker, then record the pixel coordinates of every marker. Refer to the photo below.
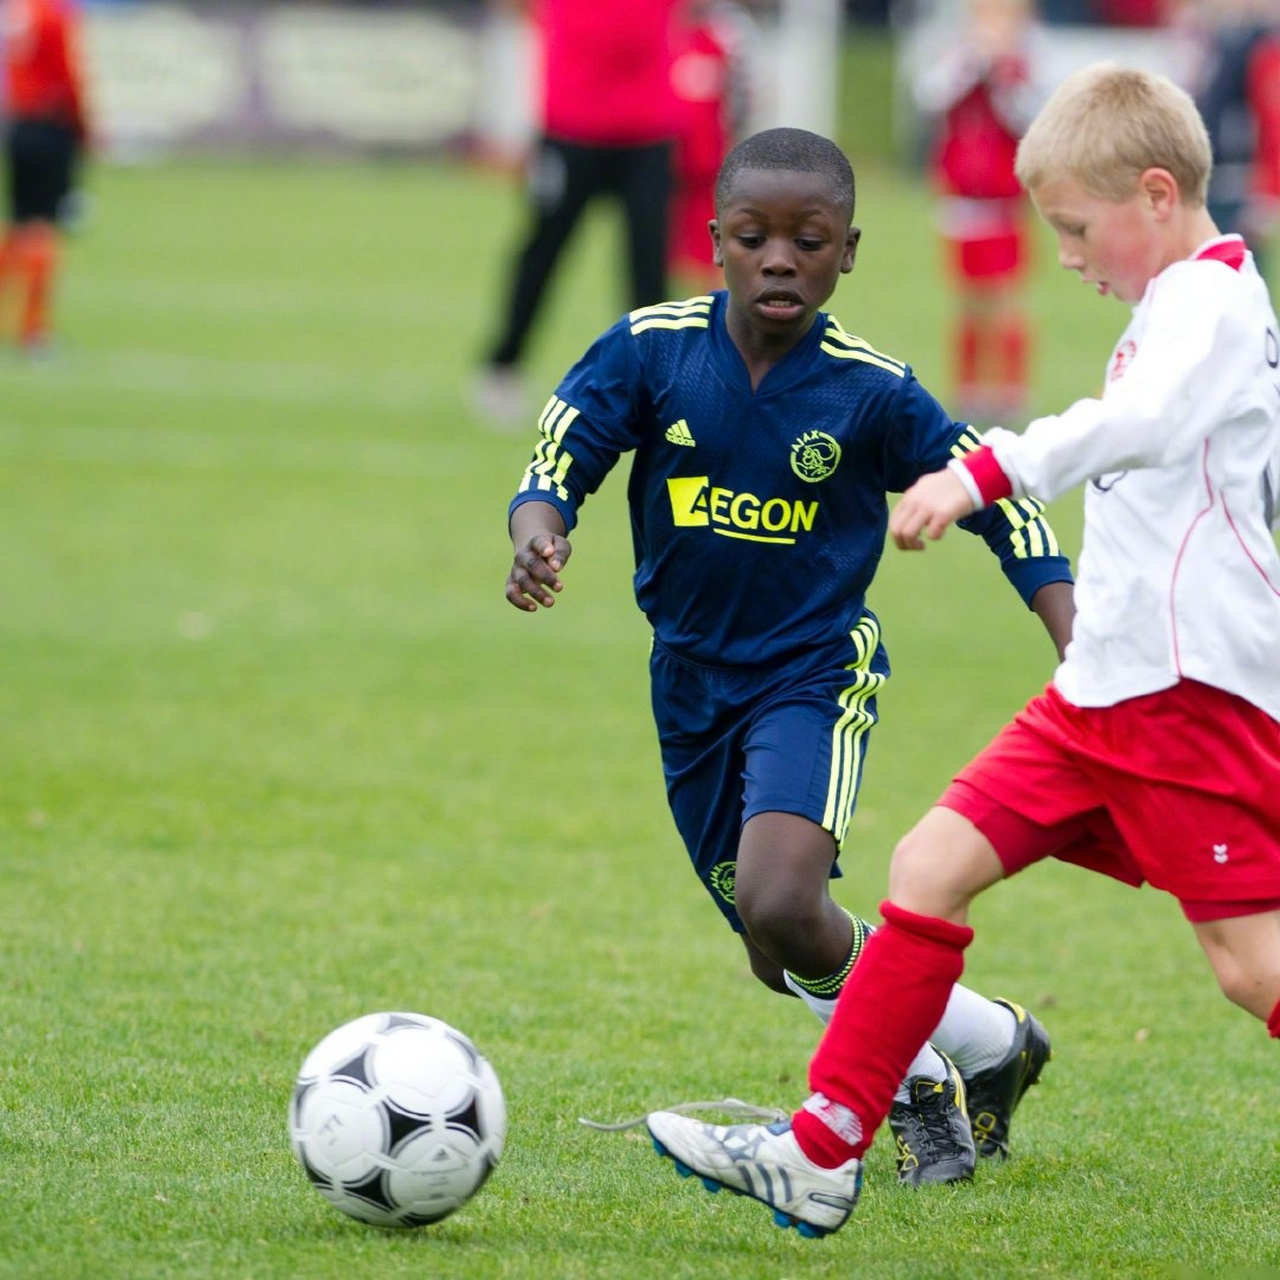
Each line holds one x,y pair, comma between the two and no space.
987,239
997,257
1180,788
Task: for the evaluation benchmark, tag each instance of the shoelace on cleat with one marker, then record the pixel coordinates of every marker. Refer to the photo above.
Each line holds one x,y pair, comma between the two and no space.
932,1128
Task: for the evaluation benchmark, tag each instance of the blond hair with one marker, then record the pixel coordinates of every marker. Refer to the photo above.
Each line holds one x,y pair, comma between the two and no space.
1106,124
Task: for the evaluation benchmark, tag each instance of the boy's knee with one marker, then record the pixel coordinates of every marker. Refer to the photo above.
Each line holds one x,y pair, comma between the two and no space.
1245,955
912,884
940,865
1254,992
776,920
1235,984
811,939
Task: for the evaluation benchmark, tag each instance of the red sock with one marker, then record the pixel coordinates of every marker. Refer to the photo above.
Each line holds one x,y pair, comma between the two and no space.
1273,1022
964,352
890,1004
1014,344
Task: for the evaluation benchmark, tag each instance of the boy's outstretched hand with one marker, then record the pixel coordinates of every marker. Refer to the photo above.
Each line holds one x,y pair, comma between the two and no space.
535,575
928,507
537,532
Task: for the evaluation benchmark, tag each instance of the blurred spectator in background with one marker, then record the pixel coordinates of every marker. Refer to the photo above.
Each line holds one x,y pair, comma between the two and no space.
45,139
1105,13
978,98
1130,13
713,76
607,127
1239,97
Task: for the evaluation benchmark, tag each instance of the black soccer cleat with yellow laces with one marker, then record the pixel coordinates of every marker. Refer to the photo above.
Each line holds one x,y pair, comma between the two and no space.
994,1094
931,1131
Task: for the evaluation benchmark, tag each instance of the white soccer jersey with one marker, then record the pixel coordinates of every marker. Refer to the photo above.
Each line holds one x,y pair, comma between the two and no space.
1179,574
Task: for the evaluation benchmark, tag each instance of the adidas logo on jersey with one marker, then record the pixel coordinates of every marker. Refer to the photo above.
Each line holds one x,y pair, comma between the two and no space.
679,433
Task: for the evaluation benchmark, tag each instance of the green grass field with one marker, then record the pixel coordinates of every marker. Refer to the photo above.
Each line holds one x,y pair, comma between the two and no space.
275,752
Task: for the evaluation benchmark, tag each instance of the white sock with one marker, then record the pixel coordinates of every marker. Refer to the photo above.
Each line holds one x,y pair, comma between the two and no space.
928,1062
975,1033
823,1007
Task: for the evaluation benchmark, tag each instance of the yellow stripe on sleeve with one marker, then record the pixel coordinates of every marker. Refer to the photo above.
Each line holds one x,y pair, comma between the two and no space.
550,464
1032,535
692,314
844,346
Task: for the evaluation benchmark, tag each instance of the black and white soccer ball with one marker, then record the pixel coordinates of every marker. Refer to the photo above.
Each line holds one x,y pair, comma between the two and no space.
397,1119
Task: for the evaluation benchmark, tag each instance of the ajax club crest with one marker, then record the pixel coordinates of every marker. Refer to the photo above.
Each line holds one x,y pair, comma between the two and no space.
814,456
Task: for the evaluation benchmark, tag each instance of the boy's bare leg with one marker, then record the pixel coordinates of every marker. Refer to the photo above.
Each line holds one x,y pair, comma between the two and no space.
1245,954
941,865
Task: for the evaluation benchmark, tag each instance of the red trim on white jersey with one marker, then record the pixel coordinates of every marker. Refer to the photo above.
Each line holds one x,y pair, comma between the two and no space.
1230,249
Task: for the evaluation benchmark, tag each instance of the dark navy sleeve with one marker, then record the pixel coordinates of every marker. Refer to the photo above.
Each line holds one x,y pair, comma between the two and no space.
596,414
925,439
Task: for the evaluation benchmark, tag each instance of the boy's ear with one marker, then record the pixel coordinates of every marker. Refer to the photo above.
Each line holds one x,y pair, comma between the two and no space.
1160,190
851,238
717,257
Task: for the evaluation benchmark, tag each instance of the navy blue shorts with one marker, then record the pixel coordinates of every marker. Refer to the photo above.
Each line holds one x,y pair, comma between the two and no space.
741,741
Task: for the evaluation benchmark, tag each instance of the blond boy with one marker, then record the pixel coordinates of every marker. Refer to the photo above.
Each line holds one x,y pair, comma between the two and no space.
1155,752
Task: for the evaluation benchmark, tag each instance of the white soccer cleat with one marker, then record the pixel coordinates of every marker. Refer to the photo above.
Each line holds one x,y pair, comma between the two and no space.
764,1162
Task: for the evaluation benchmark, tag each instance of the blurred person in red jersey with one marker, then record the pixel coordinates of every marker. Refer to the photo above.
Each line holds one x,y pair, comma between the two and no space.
607,128
979,96
712,74
45,141
1264,217
1131,13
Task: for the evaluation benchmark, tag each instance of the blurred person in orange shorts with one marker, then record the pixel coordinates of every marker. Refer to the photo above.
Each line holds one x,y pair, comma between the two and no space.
45,141
979,96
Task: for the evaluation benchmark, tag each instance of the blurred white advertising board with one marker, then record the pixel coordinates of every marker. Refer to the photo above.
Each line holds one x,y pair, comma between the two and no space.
169,76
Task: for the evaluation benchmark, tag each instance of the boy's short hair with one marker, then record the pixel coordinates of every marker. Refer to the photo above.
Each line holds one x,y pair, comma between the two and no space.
797,150
1105,124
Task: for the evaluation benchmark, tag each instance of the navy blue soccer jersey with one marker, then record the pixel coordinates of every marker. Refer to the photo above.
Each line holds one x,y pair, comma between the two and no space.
758,517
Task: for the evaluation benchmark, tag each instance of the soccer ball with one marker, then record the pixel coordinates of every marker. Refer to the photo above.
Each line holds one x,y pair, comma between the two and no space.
397,1119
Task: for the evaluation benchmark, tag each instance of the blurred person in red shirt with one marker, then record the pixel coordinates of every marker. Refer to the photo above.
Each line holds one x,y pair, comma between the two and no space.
712,76
608,122
1131,13
1264,97
979,96
47,132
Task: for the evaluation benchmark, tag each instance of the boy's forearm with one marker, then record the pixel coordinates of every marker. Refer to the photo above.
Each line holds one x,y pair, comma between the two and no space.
530,518
1054,604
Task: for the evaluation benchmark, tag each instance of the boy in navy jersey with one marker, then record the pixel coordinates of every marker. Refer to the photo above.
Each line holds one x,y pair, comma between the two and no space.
765,440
